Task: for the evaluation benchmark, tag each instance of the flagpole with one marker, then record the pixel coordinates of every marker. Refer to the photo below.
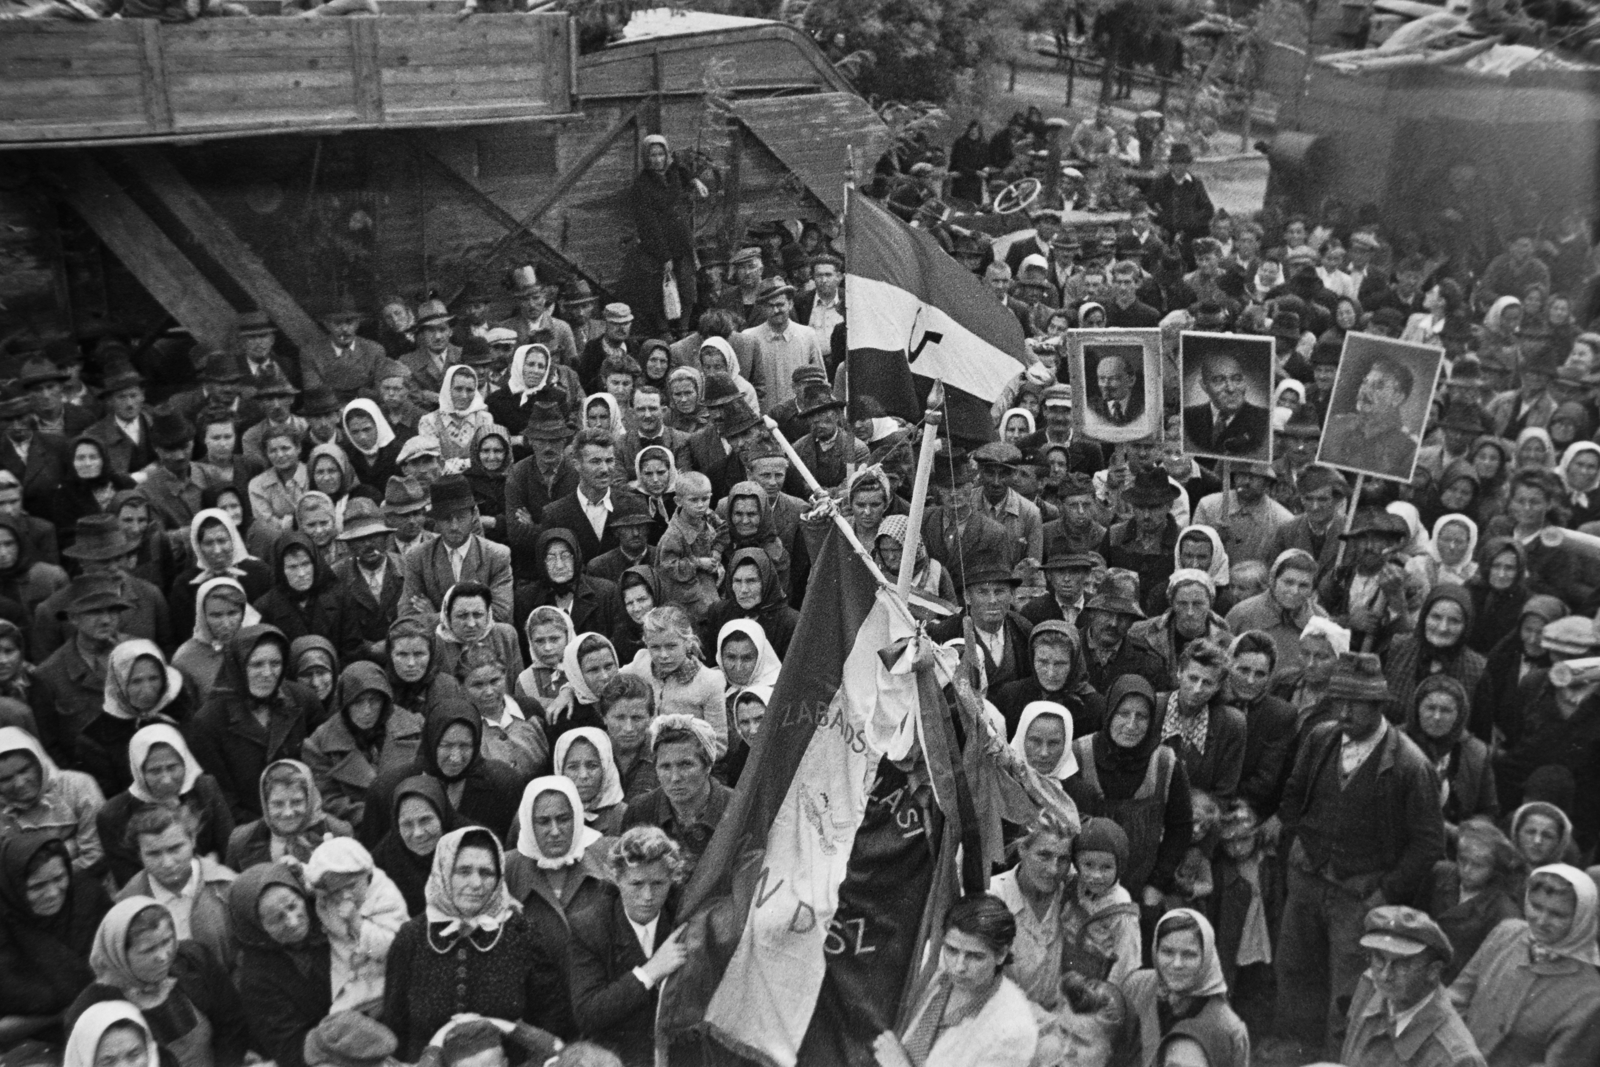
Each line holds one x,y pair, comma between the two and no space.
919,489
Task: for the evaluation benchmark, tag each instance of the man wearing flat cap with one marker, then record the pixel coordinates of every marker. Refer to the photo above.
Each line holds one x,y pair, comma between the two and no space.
1362,804
1247,516
998,462
742,298
613,341
1400,1015
781,345
349,1039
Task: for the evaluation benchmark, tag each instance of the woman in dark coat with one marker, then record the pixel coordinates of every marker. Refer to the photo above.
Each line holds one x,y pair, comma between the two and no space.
192,1008
88,489
471,951
592,603
416,678
1498,591
374,444
659,200
48,917
637,582
142,689
1437,646
487,476
480,790
294,823
163,771
772,612
309,602
1437,721
968,157
1513,657
1127,775
285,968
254,716
419,816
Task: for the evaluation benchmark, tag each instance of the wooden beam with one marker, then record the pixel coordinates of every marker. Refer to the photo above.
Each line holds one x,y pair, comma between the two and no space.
158,264
213,233
153,76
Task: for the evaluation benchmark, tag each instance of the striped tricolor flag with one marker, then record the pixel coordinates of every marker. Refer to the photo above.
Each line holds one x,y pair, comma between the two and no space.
764,907
916,315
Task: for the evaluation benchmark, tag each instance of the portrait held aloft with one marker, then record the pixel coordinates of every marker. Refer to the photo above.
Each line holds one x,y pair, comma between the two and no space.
1379,406
1227,390
1118,373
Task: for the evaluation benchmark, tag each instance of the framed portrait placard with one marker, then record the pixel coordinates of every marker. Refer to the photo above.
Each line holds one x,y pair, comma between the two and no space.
1379,406
1116,383
1227,394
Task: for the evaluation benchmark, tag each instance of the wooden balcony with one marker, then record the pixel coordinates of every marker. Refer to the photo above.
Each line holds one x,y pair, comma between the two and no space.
142,81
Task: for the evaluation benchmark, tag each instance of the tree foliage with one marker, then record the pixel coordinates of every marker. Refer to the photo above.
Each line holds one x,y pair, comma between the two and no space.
909,49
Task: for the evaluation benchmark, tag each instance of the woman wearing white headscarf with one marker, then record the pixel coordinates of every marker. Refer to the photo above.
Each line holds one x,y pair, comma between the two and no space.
141,688
535,375
583,756
113,1033
612,422
1529,454
1531,993
767,664
374,446
1015,424
1043,739
723,360
462,413
1580,476
1450,559
41,796
560,862
1198,993
201,656
470,951
166,773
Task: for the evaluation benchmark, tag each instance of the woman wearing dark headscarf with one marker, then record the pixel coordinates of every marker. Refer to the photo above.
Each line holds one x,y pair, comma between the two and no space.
765,603
640,590
470,951
1513,657
305,597
1185,984
591,603
1436,719
48,916
490,457
293,825
1127,775
285,967
185,996
163,772
254,716
1498,591
141,689
480,790
366,736
416,677
24,580
1454,491
88,488
969,155
1437,646
419,816
750,525
314,663
686,409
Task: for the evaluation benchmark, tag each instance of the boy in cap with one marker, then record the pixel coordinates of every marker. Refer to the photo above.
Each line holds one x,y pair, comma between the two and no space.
1362,804
349,1039
1400,1015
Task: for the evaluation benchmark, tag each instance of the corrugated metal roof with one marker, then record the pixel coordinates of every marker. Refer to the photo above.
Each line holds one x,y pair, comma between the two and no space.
813,134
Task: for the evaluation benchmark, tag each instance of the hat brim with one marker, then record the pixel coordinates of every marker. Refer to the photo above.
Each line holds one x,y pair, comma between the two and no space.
1117,605
29,381
980,575
632,519
832,405
102,553
1399,946
117,385
1151,498
99,602
405,509
367,529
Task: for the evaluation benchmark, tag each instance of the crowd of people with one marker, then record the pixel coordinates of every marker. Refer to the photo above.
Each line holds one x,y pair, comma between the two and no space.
373,701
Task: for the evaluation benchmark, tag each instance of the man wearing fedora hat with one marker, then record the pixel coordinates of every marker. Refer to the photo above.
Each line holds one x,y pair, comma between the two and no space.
1178,198
71,681
38,460
718,451
257,337
42,381
405,506
534,481
828,450
276,395
613,341
954,529
1362,803
100,546
780,345
319,406
432,356
576,308
1147,542
989,600
125,428
372,576
221,385
457,555
743,299
534,322
172,482
471,306
346,363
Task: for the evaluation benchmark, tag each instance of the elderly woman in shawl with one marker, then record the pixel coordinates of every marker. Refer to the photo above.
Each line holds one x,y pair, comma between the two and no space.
1437,646
686,409
48,916
583,756
221,610
1531,993
219,551
366,735
1449,559
114,1034
37,795
560,861
491,463
374,446
1436,720
361,910
470,951
462,413
929,576
285,966
420,816
163,772
141,688
1535,450
1580,476
293,823
1186,983
750,525
716,356
185,996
